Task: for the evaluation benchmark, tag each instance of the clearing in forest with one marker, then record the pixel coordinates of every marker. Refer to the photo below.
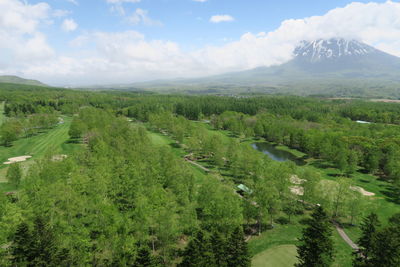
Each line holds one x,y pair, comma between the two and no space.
279,256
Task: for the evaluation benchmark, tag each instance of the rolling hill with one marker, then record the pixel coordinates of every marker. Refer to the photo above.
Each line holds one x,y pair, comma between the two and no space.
19,80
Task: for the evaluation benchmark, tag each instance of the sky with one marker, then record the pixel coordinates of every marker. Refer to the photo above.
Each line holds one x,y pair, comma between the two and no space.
92,42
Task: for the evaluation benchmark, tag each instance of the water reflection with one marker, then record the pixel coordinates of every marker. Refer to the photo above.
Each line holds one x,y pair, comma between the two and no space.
277,154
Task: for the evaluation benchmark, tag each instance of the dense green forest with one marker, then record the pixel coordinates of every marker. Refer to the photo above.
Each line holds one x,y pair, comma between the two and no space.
141,179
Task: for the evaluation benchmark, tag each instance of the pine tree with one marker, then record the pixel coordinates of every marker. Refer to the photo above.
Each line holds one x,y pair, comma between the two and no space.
386,247
369,228
144,257
237,249
219,247
199,252
21,245
316,246
43,244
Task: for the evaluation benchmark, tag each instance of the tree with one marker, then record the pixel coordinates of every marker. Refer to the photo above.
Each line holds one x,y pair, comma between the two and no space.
21,245
14,174
316,245
355,205
198,252
369,228
76,129
144,257
238,255
386,246
219,248
9,132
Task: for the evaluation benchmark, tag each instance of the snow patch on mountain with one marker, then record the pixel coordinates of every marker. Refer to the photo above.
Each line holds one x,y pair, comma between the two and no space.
322,49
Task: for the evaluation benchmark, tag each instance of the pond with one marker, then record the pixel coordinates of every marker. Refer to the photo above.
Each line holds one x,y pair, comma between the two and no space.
277,154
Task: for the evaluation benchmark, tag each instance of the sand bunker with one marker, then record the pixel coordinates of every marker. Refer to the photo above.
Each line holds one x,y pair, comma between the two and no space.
59,157
297,190
362,191
17,159
294,179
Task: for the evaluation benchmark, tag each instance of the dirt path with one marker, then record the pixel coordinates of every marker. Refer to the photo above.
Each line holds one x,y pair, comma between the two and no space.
198,165
345,237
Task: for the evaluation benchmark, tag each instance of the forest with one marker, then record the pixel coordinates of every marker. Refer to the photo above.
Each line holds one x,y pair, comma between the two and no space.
140,179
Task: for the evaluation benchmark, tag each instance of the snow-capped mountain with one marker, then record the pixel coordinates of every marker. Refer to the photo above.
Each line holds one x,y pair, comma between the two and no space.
331,49
318,66
323,56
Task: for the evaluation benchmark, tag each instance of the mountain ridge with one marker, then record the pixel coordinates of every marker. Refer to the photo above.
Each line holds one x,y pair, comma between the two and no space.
18,80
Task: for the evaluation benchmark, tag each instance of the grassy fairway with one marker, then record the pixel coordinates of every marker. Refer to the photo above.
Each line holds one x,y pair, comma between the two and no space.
52,141
280,256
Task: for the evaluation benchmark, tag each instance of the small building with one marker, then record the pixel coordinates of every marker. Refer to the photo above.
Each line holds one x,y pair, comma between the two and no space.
244,189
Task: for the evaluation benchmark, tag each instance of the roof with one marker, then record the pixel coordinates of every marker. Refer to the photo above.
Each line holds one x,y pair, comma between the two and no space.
245,188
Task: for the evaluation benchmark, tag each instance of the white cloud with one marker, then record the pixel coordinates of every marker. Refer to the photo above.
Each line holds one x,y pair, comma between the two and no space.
140,16
202,1
75,2
123,57
122,1
221,18
69,25
59,13
21,42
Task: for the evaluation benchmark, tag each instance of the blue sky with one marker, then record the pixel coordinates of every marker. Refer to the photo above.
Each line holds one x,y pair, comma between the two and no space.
187,21
109,41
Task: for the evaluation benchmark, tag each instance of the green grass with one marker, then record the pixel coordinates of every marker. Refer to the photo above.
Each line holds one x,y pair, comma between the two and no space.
279,235
279,256
53,141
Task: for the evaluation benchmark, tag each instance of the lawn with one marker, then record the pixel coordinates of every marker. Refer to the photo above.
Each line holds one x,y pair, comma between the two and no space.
279,256
53,141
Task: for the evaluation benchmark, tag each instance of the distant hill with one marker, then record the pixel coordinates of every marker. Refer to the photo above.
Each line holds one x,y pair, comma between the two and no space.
328,67
19,80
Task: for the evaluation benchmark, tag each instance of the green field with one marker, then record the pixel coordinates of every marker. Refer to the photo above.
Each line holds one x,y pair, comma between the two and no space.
52,141
279,256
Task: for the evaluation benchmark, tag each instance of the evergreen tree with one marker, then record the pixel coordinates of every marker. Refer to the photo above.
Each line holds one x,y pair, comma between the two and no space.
198,252
316,246
144,257
237,249
369,228
386,247
14,174
21,245
219,248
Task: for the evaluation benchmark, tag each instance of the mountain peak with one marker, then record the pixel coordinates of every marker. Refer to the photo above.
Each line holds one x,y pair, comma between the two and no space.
331,49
